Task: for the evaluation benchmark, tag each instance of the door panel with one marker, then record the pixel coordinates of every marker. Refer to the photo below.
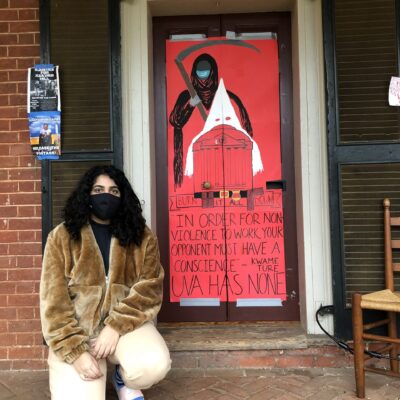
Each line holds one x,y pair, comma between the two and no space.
162,29
279,23
223,232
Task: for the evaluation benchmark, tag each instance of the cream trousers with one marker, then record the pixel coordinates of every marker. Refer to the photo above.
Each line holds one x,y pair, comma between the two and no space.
142,355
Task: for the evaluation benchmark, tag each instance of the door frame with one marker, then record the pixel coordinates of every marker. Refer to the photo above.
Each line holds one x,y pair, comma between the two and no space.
216,25
311,172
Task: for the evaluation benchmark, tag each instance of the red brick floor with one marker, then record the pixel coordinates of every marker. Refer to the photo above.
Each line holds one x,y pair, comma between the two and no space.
256,384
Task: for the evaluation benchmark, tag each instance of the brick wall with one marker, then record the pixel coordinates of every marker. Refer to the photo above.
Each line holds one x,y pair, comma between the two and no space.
20,199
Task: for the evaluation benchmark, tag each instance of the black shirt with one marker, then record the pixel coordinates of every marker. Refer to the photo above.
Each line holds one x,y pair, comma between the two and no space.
102,233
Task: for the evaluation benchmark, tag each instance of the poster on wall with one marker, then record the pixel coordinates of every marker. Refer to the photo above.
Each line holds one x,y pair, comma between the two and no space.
394,91
44,111
225,227
43,88
44,129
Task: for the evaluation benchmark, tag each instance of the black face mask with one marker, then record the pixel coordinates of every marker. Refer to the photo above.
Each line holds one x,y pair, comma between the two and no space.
104,205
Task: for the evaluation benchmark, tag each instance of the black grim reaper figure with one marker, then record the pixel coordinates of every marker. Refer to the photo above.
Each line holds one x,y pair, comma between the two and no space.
204,81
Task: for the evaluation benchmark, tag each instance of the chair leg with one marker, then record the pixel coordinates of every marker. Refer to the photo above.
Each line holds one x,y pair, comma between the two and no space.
394,364
358,346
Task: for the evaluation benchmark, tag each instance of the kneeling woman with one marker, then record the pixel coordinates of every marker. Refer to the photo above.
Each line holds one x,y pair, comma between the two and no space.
101,288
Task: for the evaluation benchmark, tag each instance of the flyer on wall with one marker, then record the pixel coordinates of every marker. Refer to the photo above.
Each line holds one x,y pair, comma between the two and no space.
394,91
44,111
44,128
43,86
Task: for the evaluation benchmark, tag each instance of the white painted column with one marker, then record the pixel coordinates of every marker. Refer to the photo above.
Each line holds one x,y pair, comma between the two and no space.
137,119
311,161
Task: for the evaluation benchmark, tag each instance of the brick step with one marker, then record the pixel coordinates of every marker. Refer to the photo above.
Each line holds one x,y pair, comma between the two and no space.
201,346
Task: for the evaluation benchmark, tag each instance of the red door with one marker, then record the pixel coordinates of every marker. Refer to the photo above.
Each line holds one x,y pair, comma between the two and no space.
226,230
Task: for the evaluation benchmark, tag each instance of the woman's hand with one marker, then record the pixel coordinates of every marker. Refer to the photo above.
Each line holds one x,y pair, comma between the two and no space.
105,344
87,367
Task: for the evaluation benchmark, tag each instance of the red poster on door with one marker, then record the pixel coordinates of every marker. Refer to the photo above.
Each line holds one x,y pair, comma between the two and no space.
226,228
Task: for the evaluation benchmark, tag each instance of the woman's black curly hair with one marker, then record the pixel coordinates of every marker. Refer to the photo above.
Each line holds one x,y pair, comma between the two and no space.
128,225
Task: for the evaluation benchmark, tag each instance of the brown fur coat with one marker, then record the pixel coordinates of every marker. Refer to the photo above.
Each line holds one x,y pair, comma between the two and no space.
75,302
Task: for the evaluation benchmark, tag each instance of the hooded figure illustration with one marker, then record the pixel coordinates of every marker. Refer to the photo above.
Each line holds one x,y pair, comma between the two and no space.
204,78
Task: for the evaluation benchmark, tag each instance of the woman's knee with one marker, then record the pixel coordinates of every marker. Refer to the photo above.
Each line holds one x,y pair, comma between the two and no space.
148,371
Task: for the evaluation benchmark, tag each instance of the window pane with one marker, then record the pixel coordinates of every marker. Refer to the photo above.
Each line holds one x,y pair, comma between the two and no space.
366,58
79,37
64,178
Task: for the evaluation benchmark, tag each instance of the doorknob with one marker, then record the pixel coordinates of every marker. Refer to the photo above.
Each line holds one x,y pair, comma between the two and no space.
206,185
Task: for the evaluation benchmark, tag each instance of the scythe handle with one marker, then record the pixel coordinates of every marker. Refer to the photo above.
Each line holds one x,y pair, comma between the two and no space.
190,87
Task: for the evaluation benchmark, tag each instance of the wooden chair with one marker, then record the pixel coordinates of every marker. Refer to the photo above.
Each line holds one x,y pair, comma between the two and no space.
385,300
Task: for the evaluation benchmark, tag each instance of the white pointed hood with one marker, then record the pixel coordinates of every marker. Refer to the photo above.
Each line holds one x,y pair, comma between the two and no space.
223,113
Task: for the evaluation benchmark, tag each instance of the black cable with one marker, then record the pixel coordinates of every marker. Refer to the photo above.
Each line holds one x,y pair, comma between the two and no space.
324,310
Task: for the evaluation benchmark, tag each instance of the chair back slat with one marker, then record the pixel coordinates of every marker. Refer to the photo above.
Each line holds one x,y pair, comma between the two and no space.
389,245
395,221
396,267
